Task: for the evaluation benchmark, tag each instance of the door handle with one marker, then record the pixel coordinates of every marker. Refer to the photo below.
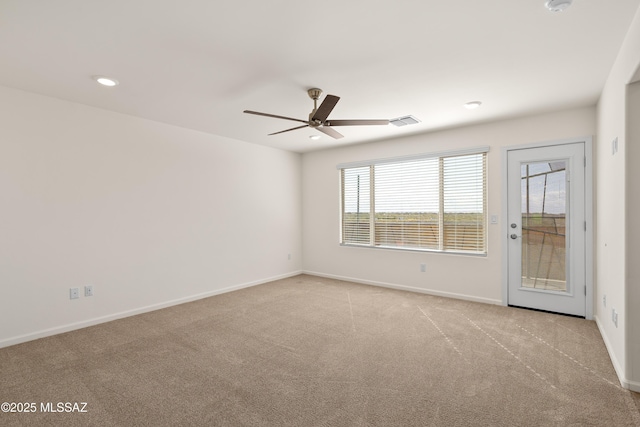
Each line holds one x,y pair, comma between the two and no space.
514,236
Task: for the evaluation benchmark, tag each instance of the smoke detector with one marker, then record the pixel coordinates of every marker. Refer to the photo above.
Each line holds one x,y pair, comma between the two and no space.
557,5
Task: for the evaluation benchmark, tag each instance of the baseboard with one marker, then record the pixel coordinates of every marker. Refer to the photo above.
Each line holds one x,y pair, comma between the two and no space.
406,288
634,386
624,382
128,313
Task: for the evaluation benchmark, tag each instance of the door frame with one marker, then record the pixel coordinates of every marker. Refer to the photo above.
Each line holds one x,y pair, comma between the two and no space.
589,208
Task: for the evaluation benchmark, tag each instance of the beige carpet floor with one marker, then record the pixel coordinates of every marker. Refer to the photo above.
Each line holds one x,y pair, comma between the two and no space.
309,351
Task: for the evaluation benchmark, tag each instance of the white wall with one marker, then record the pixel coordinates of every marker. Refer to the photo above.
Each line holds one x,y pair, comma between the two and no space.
614,186
147,213
469,277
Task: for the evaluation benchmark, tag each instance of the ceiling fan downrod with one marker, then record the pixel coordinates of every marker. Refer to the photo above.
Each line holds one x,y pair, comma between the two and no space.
314,93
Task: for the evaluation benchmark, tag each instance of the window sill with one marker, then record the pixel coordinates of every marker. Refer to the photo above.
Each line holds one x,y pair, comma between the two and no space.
410,249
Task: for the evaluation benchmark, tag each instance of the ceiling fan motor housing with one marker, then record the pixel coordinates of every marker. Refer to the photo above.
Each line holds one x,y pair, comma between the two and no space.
314,93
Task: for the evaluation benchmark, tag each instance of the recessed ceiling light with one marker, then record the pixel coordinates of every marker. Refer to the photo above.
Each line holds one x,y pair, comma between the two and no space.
314,137
472,105
557,5
105,81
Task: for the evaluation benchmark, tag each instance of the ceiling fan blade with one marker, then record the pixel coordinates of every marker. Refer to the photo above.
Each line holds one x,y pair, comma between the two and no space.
356,122
287,130
274,116
325,108
328,131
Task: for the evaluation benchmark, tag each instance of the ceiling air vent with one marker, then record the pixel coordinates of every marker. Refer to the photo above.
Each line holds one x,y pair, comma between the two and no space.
403,121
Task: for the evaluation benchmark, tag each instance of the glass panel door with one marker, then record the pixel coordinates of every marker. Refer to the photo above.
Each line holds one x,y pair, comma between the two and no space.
543,189
546,234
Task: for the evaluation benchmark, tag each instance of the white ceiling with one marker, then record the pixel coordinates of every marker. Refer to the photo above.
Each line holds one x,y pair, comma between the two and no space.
199,63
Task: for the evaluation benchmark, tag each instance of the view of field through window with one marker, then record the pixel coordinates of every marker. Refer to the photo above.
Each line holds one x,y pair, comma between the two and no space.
434,203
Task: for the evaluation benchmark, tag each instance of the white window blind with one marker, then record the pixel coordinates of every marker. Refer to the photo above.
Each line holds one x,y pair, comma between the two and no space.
429,203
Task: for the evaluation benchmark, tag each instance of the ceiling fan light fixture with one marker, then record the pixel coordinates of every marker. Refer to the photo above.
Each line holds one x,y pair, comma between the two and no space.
557,5
314,137
105,81
404,121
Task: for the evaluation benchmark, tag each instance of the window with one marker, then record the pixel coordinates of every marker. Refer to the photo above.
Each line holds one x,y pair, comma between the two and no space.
430,202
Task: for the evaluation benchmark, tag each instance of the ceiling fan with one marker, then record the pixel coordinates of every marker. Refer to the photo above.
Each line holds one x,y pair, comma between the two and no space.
318,117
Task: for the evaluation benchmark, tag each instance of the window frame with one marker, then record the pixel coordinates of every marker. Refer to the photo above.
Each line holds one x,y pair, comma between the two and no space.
441,155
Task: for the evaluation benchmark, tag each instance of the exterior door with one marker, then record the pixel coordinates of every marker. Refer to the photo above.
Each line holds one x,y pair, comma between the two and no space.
547,228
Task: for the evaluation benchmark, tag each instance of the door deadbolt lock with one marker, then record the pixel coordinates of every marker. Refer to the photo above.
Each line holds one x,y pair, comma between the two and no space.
514,225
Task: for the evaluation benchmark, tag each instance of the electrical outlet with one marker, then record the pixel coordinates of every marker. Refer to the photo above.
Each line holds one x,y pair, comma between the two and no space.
604,300
494,219
74,293
88,291
289,257
614,316
423,267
